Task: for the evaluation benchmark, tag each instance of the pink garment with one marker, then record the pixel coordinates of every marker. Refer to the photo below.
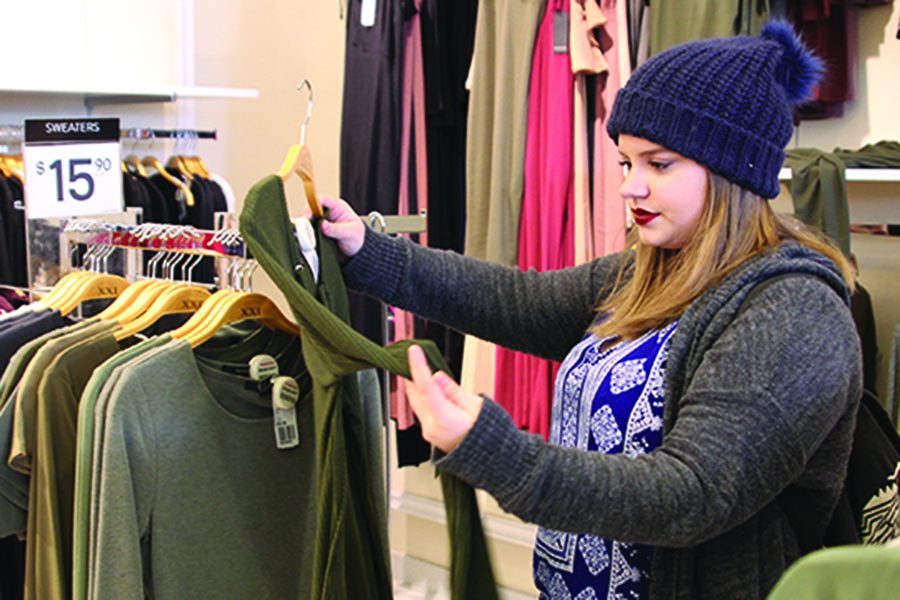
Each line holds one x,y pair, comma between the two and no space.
609,209
413,123
524,384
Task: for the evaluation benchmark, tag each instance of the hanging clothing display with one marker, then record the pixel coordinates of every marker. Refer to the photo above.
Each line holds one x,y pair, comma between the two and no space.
546,241
347,544
609,223
498,117
448,38
371,126
587,59
12,232
673,23
828,28
213,439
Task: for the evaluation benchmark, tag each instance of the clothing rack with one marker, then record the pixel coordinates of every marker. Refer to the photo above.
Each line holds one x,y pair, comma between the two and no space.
391,225
225,243
11,134
14,134
178,134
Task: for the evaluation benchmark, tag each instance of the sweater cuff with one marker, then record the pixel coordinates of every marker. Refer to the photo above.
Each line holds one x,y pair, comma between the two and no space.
495,455
377,268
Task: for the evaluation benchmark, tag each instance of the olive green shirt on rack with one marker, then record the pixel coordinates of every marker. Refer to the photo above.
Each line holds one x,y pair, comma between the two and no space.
349,560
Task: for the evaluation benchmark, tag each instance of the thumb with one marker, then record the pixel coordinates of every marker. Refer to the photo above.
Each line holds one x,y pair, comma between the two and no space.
452,390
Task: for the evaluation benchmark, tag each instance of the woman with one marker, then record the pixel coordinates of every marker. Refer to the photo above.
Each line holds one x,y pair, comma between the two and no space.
703,413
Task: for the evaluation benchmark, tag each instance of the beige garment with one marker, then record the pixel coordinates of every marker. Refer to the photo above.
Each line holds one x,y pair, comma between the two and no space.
498,115
478,366
608,207
587,59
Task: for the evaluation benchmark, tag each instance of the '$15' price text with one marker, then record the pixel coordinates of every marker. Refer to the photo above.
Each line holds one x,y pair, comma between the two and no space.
75,175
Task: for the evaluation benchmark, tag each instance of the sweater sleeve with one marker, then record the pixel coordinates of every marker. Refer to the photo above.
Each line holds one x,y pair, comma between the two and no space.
543,314
759,405
127,484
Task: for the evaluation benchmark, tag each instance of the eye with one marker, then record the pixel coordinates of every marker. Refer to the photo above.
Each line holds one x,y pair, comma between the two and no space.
660,165
626,165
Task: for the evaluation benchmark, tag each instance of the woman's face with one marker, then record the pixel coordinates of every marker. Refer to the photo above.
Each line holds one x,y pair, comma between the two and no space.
665,192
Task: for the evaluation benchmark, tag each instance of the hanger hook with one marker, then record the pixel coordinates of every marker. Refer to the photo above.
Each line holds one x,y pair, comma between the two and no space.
309,108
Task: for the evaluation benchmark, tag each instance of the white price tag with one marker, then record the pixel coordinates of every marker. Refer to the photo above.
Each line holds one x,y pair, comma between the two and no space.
72,168
367,13
285,393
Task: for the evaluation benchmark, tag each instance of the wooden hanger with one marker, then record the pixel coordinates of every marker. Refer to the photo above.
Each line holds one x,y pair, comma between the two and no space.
299,160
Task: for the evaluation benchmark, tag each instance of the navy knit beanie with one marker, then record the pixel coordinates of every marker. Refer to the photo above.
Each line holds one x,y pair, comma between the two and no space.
726,103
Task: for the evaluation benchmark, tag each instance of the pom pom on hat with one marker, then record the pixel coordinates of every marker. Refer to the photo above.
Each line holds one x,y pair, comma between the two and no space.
799,70
726,103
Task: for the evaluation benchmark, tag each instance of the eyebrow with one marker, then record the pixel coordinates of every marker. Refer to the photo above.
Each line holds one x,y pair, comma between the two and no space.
649,152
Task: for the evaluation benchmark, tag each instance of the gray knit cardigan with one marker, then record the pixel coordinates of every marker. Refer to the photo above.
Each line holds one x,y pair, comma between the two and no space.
759,402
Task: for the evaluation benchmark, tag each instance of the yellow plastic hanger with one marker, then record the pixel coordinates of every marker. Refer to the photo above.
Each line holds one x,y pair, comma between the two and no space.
152,161
94,287
134,301
240,307
180,298
62,287
299,160
134,161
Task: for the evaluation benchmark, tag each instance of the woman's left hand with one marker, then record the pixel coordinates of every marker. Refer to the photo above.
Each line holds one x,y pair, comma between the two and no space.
445,411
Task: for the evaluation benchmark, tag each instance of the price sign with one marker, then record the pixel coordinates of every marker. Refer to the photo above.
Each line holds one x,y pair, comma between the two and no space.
72,168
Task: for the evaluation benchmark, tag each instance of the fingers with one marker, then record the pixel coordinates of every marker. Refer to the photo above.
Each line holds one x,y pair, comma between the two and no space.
445,412
343,225
338,209
419,369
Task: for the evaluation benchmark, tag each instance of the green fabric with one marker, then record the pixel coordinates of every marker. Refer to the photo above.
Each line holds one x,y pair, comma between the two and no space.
819,184
196,499
881,155
230,342
348,558
673,23
100,406
20,360
24,421
819,192
52,486
84,454
870,572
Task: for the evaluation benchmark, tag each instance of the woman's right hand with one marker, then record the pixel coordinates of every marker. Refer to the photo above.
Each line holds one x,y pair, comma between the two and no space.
343,225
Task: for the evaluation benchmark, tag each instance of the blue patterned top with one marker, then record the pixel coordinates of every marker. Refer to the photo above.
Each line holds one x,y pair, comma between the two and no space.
608,401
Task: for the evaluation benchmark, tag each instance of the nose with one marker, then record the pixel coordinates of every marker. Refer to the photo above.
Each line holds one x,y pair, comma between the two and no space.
634,185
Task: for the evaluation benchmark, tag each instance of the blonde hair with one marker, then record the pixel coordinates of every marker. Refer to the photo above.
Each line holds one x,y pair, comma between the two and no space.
659,285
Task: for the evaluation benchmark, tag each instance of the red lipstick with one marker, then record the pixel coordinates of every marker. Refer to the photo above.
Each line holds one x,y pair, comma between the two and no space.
642,217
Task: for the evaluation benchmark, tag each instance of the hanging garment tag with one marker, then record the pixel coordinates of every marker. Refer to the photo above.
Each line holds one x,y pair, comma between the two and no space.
367,13
285,393
263,366
560,32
